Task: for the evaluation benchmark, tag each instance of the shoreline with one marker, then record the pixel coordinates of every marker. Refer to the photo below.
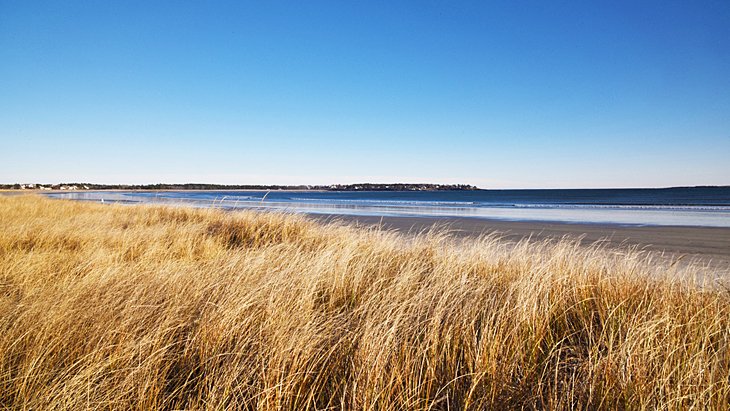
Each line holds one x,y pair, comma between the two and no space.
430,205
708,246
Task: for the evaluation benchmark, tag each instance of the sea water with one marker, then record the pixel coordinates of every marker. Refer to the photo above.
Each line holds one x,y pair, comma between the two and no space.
695,206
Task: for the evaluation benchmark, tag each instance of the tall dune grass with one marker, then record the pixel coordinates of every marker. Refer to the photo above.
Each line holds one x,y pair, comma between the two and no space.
148,307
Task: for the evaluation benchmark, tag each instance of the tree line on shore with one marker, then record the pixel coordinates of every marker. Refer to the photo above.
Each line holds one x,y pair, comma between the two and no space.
201,186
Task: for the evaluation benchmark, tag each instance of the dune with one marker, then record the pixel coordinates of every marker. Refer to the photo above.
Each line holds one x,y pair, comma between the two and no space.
154,307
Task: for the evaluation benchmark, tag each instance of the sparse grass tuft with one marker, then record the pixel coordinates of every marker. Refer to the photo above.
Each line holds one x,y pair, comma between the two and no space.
148,307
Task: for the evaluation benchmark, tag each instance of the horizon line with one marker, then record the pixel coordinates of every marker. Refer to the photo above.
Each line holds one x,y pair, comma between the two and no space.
314,186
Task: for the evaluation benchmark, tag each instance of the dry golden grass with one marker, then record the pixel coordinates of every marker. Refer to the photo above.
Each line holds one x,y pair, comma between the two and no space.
118,307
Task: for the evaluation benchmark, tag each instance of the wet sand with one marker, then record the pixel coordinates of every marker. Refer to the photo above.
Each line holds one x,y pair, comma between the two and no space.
707,245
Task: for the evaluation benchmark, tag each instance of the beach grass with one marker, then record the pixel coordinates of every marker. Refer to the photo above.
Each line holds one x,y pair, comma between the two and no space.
151,307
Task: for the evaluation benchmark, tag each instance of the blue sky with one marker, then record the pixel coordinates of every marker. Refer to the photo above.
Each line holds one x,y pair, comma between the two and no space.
512,94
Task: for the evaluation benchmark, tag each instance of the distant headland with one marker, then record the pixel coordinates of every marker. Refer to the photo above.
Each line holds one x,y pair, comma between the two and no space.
199,186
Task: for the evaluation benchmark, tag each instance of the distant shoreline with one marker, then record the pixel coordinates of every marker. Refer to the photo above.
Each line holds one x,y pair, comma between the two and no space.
241,187
364,187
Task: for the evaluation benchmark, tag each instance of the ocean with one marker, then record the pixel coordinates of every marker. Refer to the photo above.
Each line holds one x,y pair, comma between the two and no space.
695,206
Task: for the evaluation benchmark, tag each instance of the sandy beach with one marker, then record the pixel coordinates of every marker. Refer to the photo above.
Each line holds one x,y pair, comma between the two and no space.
707,245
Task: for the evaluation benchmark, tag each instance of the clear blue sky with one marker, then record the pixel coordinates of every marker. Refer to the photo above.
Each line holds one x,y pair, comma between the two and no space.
510,94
